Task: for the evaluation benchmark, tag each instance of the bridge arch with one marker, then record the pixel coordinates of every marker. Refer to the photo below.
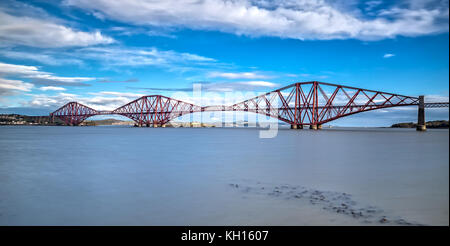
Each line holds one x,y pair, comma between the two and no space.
73,113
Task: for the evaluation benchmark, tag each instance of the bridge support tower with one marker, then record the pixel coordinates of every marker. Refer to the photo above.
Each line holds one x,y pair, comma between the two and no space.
421,125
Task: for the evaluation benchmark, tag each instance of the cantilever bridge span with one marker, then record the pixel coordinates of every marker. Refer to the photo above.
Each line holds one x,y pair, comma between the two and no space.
300,104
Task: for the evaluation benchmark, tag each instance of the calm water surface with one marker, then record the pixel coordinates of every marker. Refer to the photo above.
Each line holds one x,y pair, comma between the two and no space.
188,176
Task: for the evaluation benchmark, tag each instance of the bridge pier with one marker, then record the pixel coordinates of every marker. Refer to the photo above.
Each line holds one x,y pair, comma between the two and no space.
315,127
294,126
421,125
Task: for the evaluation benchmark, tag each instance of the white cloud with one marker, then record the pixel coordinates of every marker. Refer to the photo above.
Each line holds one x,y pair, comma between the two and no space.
221,86
238,86
372,4
117,94
123,56
310,76
243,75
37,32
436,98
51,88
7,69
15,85
113,56
130,31
317,19
388,55
259,83
104,100
10,87
38,76
49,59
57,79
292,75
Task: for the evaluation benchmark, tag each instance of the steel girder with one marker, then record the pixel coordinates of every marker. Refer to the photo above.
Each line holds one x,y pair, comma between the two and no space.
304,103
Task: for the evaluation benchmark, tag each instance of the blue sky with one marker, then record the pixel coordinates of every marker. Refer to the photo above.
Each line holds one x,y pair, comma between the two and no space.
104,53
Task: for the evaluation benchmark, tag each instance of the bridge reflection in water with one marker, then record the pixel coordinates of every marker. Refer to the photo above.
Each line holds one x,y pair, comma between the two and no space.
301,104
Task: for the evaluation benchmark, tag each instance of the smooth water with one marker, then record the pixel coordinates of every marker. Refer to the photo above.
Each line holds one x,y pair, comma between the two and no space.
219,176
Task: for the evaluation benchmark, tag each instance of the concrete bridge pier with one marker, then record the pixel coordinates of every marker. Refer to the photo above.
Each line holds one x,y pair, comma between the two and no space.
421,126
315,127
297,127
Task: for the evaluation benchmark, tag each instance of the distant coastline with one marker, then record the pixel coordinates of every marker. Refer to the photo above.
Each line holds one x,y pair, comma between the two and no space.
18,119
430,124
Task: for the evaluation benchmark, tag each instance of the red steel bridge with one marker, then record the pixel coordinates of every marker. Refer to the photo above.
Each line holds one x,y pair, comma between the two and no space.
301,104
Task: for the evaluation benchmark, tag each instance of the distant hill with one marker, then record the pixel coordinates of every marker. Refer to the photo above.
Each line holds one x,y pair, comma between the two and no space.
429,124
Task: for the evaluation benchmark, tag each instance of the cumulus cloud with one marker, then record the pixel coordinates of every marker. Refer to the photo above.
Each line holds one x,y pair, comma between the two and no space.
317,19
42,33
388,55
40,77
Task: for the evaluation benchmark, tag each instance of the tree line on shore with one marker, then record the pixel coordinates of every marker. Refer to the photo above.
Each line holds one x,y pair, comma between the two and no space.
429,124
